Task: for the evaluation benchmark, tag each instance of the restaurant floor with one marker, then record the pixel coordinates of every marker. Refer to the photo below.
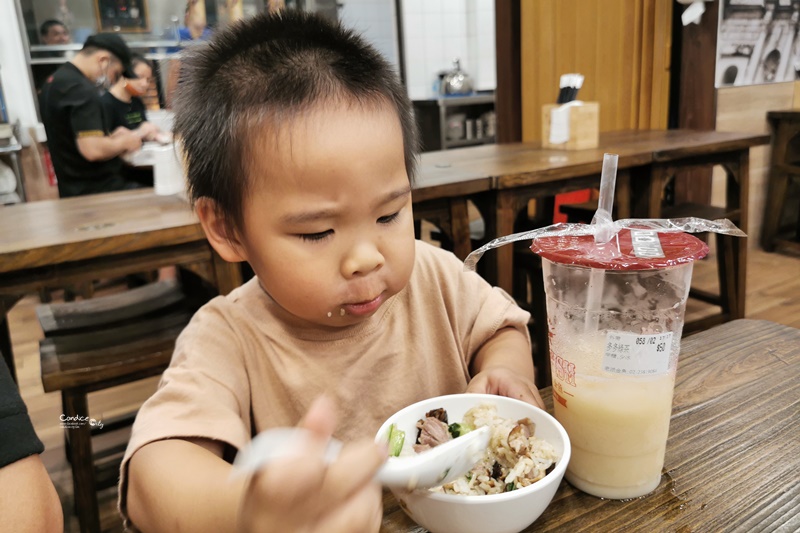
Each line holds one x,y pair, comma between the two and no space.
773,293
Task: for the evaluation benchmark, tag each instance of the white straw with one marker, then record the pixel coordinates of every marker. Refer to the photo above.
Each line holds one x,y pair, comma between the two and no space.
604,232
605,203
594,296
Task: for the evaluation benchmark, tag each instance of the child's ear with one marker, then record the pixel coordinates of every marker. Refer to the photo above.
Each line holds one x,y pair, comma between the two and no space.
221,237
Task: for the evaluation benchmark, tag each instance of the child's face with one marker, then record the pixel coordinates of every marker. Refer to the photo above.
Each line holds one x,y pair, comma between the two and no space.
328,226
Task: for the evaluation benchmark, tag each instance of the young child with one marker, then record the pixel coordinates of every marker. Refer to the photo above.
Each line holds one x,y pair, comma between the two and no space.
300,150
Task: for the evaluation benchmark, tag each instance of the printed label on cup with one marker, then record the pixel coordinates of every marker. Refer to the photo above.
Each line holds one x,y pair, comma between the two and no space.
646,243
629,354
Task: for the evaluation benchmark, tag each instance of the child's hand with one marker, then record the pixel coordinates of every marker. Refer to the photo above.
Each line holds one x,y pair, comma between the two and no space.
304,494
505,382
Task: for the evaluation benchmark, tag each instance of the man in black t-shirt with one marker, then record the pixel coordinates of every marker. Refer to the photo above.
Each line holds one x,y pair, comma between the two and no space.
85,153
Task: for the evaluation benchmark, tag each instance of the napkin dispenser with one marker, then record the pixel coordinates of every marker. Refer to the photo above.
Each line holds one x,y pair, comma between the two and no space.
571,126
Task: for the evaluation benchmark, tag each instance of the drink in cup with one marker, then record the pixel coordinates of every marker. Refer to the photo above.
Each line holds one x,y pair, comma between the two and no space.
615,317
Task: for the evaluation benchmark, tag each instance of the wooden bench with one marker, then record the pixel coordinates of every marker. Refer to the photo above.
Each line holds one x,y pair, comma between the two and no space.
101,343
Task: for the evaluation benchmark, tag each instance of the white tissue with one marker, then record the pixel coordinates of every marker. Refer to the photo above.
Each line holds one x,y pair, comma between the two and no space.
168,176
693,13
559,122
559,125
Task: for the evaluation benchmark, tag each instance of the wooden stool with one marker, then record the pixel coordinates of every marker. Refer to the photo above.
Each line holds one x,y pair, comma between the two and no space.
100,343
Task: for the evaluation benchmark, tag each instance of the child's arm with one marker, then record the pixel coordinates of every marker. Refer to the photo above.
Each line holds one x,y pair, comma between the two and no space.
504,366
184,485
171,487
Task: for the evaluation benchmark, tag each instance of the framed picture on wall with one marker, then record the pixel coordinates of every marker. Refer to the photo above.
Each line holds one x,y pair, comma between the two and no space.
757,42
122,16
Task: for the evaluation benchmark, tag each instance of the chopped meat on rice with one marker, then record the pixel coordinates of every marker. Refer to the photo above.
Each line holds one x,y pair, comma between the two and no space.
432,432
514,459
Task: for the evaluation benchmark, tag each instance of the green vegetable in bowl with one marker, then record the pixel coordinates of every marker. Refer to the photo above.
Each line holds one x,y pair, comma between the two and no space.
396,439
456,429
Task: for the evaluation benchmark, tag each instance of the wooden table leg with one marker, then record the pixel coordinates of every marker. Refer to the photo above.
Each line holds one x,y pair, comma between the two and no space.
727,279
83,475
738,197
777,188
506,212
658,178
541,333
227,275
487,206
622,194
459,227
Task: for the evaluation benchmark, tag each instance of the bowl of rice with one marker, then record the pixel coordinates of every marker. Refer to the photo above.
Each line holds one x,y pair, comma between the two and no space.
508,489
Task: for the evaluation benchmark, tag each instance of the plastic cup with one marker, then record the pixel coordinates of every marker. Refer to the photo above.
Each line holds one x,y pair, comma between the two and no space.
615,316
168,176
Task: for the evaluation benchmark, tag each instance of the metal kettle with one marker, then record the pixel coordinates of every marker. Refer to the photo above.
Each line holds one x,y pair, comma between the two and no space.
456,81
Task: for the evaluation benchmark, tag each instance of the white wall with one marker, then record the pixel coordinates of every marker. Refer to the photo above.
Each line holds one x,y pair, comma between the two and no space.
438,31
14,72
376,21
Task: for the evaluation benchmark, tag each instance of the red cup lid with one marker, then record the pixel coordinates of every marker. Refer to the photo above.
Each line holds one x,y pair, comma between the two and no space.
630,249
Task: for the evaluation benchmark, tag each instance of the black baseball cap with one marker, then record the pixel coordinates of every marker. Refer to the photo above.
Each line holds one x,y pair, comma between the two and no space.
114,44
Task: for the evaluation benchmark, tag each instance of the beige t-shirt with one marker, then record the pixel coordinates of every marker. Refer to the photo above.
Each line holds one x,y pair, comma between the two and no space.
239,368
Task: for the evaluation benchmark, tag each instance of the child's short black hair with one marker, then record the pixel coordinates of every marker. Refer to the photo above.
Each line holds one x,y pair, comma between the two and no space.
270,68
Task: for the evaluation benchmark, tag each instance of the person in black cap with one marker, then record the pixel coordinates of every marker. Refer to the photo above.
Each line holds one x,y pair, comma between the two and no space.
84,151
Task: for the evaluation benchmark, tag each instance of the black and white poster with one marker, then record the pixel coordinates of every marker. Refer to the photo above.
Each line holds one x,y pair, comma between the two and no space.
758,42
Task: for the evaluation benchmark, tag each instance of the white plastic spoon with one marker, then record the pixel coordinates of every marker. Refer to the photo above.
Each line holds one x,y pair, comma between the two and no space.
437,466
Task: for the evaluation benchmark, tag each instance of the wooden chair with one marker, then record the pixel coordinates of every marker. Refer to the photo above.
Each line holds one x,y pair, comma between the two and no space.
781,204
100,343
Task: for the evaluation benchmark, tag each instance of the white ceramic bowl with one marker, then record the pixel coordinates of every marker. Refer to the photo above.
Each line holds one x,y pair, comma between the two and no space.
509,512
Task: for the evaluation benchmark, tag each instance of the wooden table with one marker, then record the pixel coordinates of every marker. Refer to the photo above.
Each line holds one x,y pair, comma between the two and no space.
646,160
59,242
733,451
442,188
504,177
